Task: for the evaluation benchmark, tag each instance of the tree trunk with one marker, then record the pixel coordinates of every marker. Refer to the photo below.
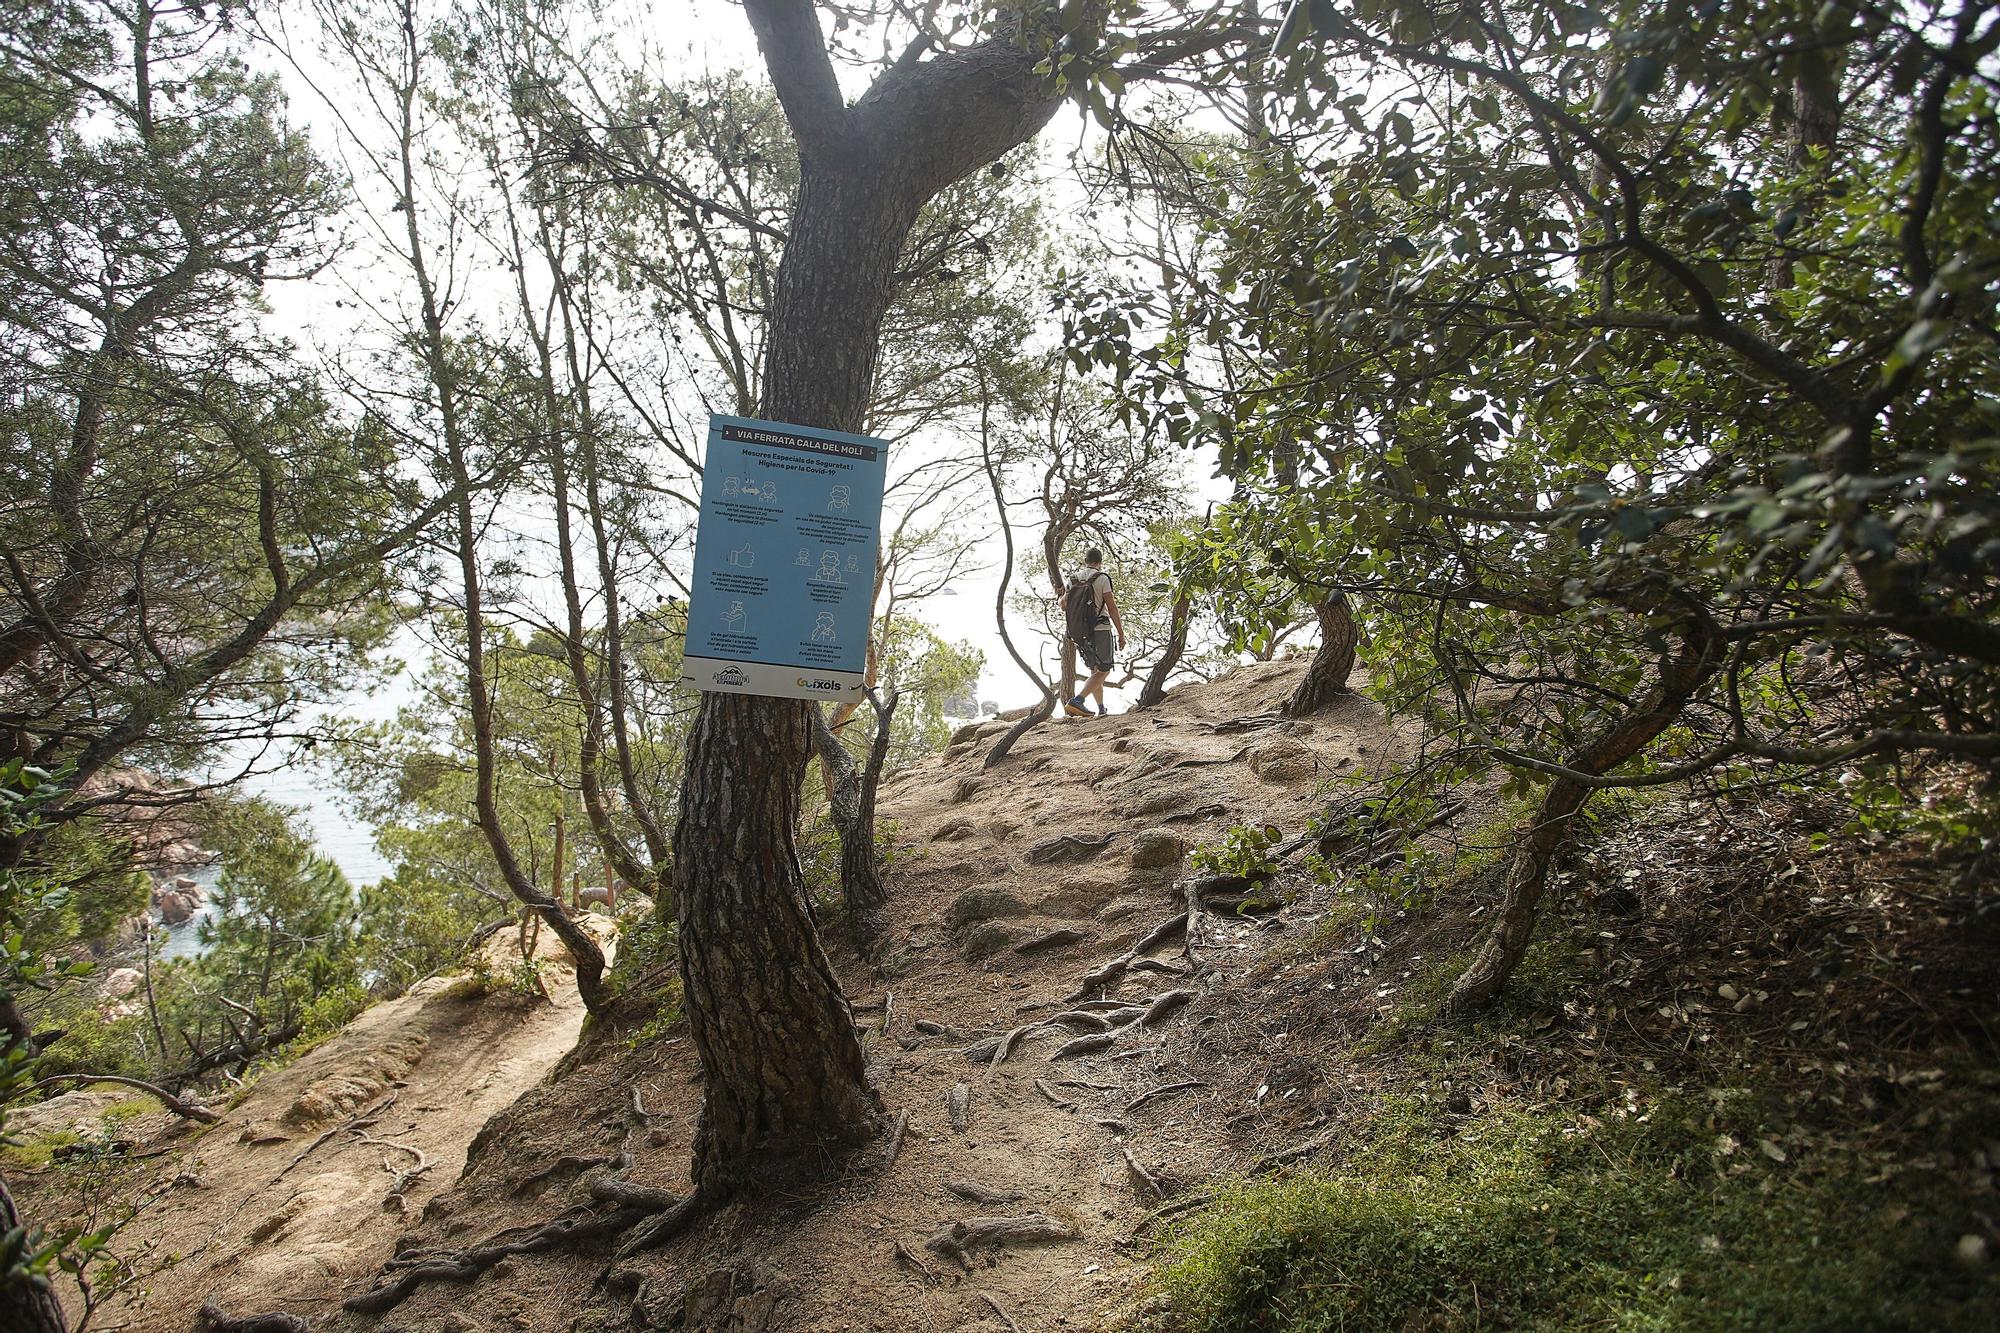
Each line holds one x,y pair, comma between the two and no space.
783,1066
850,791
783,1071
1155,688
25,1306
1545,835
1331,665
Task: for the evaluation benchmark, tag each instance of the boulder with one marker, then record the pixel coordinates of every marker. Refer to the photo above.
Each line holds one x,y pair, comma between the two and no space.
122,981
77,1112
174,906
956,830
983,905
1157,849
1283,760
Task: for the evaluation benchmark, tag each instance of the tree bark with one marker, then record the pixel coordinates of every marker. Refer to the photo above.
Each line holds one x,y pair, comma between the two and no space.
850,791
1548,831
1333,663
783,1071
1155,688
25,1305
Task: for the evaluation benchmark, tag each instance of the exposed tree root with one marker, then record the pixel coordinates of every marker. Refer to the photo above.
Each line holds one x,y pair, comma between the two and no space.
213,1320
1165,1211
1060,1103
1164,1004
892,1146
358,1121
1085,1045
405,1273
958,1105
914,1260
567,1162
657,1230
1108,974
958,1240
1284,1156
1144,1183
1164,1090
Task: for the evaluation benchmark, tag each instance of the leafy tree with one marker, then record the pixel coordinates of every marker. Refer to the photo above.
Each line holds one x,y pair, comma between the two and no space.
194,538
1641,362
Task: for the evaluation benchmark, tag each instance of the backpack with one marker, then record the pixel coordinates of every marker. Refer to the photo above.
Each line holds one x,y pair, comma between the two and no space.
1080,607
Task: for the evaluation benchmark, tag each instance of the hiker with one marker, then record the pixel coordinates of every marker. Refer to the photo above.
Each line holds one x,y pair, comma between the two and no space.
1090,610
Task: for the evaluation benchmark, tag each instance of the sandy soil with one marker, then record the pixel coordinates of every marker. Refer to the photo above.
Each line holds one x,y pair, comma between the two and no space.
289,1198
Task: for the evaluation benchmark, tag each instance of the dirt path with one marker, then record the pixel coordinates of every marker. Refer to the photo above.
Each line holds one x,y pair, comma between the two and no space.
1007,888
289,1198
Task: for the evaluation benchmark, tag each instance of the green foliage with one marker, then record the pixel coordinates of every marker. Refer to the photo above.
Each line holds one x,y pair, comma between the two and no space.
1524,1219
1245,851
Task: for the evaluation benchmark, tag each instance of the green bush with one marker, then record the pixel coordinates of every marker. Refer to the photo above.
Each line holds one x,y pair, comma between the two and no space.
1520,1222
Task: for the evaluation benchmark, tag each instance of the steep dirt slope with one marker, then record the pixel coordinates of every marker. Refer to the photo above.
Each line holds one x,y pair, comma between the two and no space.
1007,888
304,1185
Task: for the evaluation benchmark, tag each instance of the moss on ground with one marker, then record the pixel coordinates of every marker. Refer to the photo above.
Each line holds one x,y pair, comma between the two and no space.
1546,1220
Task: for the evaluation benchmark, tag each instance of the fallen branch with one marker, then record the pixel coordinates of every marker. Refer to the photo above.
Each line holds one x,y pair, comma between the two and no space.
999,1313
186,1110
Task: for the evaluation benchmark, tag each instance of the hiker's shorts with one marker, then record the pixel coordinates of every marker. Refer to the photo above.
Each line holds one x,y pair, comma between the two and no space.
1097,654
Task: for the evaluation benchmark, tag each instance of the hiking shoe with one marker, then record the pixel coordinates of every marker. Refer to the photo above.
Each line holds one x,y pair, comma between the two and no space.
1076,707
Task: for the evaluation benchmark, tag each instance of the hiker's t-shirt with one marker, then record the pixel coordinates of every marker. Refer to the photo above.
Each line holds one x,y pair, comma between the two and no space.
1100,588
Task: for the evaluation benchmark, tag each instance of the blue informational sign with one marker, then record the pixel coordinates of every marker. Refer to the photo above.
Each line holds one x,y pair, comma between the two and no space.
784,560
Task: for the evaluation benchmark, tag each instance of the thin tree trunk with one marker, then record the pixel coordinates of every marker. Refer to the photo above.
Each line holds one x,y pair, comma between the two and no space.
1155,688
1327,677
25,1306
850,790
585,955
1547,832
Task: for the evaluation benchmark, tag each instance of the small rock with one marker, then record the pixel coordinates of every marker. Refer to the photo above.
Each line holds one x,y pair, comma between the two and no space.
122,981
1972,1250
459,1322
1068,848
1157,849
1283,760
956,830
